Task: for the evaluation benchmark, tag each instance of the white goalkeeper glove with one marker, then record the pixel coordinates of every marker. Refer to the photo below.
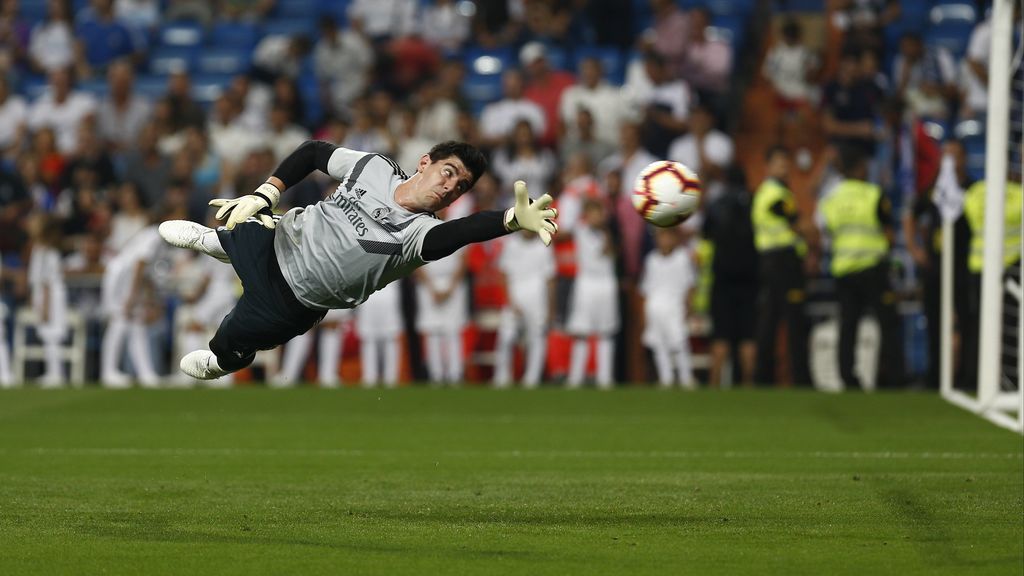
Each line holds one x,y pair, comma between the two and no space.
532,216
259,205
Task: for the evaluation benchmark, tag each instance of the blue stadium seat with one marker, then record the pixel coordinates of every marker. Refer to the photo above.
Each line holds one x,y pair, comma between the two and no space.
958,12
296,9
151,86
558,58
98,87
206,88
309,90
731,28
168,59
234,34
180,34
611,60
224,60
481,89
730,7
486,62
32,11
291,27
915,10
336,8
787,6
953,37
32,86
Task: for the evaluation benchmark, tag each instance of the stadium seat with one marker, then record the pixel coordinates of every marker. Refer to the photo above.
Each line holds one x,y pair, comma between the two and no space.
812,6
953,37
611,60
224,60
296,9
33,11
731,28
481,89
168,59
336,8
948,13
206,88
180,34
290,27
558,58
234,35
32,86
97,87
309,91
151,86
739,8
488,62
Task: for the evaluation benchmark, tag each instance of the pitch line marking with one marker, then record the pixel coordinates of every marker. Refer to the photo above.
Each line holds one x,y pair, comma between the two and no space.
633,454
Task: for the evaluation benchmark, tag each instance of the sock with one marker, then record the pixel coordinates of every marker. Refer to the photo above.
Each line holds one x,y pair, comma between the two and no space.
368,355
578,362
112,347
435,364
391,362
455,362
328,353
663,362
605,361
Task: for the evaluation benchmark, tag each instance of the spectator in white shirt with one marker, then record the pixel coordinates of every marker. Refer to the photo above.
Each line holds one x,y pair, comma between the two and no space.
123,112
342,60
52,42
283,135
499,118
523,159
61,109
13,119
602,100
705,150
444,24
385,19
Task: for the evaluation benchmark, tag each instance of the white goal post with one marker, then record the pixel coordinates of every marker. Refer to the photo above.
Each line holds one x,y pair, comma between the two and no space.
1003,407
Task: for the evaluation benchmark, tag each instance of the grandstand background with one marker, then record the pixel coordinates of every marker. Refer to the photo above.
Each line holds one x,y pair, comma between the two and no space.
178,101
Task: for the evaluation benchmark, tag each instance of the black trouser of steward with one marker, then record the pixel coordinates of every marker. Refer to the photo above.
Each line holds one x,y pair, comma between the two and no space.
782,294
268,314
870,288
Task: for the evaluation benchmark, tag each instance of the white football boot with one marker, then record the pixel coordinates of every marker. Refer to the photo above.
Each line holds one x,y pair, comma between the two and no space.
194,236
202,365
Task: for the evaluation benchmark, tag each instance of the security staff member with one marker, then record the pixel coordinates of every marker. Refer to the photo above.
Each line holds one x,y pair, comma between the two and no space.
781,250
974,211
858,218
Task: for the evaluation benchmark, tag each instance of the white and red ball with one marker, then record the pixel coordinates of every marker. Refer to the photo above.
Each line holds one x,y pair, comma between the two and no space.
666,193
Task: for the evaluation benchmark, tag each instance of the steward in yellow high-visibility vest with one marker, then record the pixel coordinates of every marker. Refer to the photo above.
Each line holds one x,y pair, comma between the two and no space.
974,212
781,250
858,219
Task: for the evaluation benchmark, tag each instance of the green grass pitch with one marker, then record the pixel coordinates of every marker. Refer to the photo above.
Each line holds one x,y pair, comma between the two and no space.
421,481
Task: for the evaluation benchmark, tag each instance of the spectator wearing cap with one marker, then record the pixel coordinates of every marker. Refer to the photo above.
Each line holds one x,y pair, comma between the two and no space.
602,101
544,86
499,118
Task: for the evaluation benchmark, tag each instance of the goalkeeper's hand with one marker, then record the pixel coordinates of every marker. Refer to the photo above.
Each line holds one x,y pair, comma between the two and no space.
259,205
533,216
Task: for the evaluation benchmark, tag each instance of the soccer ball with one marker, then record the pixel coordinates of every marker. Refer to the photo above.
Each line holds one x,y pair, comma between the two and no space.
666,193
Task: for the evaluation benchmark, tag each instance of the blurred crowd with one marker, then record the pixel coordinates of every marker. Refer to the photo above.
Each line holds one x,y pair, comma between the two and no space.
113,119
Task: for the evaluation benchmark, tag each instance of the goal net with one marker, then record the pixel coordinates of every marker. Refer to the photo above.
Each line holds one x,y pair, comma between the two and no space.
998,396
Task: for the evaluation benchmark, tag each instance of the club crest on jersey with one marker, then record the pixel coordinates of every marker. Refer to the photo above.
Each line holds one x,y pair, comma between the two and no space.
380,213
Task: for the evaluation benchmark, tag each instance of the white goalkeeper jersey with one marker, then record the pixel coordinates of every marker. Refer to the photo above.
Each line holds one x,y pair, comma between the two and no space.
337,252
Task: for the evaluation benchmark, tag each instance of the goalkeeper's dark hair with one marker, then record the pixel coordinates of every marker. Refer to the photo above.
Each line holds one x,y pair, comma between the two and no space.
472,158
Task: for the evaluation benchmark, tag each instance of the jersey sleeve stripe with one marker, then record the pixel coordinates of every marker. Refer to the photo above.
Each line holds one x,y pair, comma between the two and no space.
357,171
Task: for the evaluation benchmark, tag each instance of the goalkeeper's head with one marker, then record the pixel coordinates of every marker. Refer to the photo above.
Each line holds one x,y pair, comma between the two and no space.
444,174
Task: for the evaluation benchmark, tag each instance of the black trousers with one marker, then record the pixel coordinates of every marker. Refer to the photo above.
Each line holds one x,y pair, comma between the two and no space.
268,314
1009,341
857,292
782,295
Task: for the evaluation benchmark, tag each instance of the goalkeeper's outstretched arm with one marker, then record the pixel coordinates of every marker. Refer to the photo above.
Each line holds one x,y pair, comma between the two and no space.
444,239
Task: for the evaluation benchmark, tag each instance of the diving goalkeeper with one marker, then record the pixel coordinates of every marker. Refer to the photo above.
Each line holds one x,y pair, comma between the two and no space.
377,227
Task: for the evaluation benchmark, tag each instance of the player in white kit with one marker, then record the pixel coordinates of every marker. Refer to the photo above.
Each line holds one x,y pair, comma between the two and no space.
330,332
124,295
377,227
216,289
442,309
379,325
528,309
594,309
6,378
49,295
667,286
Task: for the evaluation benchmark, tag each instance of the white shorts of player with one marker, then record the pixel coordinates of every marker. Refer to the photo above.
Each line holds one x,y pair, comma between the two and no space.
594,307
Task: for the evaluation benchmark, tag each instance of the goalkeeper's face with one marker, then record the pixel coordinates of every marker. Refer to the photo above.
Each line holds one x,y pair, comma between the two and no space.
441,182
